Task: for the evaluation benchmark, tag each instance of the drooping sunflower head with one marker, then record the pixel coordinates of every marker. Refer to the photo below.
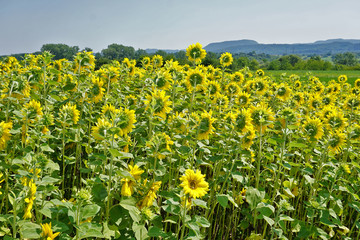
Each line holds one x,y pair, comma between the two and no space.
135,171
101,130
226,59
336,141
159,102
313,128
205,125
125,120
194,184
47,232
69,114
195,78
261,116
195,53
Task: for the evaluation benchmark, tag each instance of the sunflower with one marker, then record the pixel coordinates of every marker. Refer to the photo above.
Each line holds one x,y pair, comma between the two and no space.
194,184
335,88
336,141
314,80
109,111
125,120
150,195
336,121
342,78
145,62
232,88
237,77
248,138
127,188
32,110
69,82
318,88
226,59
260,73
298,98
47,232
213,87
283,92
69,114
100,131
97,90
195,78
314,102
294,77
178,122
195,53
205,126
128,66
157,61
313,128
355,132
261,117
159,102
327,100
163,80
352,102
357,83
259,85
220,101
4,133
84,61
243,99
135,171
287,116
326,111
297,84
243,121
30,199
159,143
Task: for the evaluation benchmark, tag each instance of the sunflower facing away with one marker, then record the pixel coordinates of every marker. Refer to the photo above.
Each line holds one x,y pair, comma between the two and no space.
194,184
4,133
336,141
261,116
159,102
313,128
205,127
226,59
125,120
69,114
97,90
195,53
100,131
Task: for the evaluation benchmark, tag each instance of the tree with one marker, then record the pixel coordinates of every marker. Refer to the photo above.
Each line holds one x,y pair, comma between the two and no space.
348,59
60,50
118,52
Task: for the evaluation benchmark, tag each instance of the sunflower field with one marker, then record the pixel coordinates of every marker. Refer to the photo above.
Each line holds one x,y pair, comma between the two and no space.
158,150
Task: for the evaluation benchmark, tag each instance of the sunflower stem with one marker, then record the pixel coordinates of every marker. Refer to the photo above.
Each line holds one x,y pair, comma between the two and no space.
183,220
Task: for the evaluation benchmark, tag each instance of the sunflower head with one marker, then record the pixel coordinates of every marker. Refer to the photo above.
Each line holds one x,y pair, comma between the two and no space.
159,102
194,184
283,92
213,87
195,78
69,114
342,78
47,232
32,110
195,53
357,83
232,88
243,121
4,133
157,61
205,125
125,120
336,141
101,130
237,77
352,102
261,116
226,59
313,128
243,99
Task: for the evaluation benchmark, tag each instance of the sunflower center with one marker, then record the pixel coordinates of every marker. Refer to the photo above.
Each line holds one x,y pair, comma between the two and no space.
195,79
204,125
192,184
160,82
241,121
243,100
311,130
123,120
282,91
159,105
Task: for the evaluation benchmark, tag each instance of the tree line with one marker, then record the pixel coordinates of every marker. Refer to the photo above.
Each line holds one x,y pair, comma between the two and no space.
340,61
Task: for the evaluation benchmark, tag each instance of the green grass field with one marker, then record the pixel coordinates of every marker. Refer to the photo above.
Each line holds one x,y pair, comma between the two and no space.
324,76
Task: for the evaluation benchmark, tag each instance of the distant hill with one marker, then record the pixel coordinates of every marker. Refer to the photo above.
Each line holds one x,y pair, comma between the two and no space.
332,46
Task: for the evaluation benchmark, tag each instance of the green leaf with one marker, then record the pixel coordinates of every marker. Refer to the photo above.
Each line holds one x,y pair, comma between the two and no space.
222,199
202,222
140,231
156,232
89,211
254,196
46,148
297,144
30,230
87,230
49,180
130,205
269,220
115,153
200,203
265,209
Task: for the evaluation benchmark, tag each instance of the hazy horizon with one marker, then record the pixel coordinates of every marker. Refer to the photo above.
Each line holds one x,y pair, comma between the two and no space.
166,24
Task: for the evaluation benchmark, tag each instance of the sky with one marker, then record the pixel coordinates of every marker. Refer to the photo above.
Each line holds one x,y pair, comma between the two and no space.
25,25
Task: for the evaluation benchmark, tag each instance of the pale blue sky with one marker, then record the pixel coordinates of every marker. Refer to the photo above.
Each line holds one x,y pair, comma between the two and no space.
168,24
